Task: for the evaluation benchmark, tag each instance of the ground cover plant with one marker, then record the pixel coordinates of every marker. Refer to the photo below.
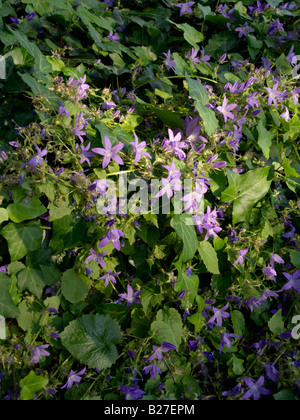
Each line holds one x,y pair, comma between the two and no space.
149,207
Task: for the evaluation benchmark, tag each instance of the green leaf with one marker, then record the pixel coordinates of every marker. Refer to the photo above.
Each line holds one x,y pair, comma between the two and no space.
31,384
102,22
288,169
291,128
145,54
25,210
237,365
22,239
276,323
274,3
188,283
169,118
32,280
246,190
30,316
198,320
221,43
38,89
38,257
238,322
181,67
284,66
51,274
167,326
197,91
150,297
285,395
40,6
92,340
2,328
206,10
209,257
58,212
68,232
265,138
41,63
295,257
210,120
187,234
191,35
75,287
3,215
7,307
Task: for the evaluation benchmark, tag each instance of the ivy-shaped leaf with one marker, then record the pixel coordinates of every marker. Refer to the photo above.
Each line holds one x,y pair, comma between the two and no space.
92,340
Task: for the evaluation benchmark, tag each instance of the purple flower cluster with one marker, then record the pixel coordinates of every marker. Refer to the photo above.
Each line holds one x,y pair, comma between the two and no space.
208,222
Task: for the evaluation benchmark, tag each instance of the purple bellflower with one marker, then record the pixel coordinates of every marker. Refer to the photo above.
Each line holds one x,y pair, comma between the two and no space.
138,149
132,392
205,58
113,37
14,20
273,95
186,7
110,277
152,369
38,159
226,109
241,256
112,236
131,296
271,372
158,351
173,172
169,63
94,256
244,30
169,187
256,389
74,378
99,186
225,340
85,154
109,153
293,281
219,315
38,353
78,129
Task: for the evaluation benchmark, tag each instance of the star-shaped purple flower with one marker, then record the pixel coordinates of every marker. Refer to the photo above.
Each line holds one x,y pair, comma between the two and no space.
113,37
226,109
139,149
186,7
273,95
38,159
94,256
85,154
110,277
244,30
112,236
219,315
109,153
74,378
241,256
293,281
152,369
131,296
170,64
256,389
225,340
39,352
